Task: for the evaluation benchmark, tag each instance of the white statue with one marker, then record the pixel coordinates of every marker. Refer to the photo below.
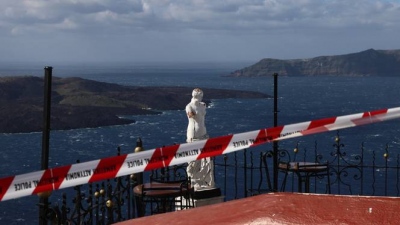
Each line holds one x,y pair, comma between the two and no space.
201,171
196,112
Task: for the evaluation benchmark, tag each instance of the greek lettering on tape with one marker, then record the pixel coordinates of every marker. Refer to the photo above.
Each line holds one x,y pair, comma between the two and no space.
186,153
240,143
78,174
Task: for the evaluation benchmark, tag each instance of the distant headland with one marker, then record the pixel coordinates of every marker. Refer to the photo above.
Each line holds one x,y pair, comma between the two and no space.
366,63
81,103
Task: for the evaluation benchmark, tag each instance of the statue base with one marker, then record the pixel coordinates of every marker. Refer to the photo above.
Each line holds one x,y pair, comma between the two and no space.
207,197
206,193
201,198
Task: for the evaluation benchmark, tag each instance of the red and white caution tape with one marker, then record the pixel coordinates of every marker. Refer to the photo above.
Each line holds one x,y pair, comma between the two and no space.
108,168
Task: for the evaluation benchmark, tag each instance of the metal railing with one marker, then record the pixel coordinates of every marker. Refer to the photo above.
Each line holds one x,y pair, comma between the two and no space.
373,173
103,202
240,175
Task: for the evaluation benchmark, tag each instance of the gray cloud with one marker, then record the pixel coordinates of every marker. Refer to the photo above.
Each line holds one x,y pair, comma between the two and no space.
179,29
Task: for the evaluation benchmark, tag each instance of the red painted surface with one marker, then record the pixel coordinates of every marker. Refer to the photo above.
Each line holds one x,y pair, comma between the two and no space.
286,208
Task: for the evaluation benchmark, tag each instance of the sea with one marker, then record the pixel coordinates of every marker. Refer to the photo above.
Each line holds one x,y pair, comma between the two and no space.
300,99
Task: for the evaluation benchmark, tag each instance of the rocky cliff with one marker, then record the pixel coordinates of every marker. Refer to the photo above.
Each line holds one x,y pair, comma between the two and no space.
80,103
366,63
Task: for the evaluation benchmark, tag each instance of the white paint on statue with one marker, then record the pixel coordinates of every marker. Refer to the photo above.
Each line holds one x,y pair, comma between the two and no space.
201,171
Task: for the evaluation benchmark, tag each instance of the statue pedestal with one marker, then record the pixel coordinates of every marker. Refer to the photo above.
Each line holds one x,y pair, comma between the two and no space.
201,173
208,201
201,198
207,197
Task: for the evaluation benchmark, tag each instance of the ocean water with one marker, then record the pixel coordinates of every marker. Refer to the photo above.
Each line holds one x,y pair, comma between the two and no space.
300,99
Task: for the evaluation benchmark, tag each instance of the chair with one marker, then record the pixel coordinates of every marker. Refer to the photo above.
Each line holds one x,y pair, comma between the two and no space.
168,190
304,171
263,165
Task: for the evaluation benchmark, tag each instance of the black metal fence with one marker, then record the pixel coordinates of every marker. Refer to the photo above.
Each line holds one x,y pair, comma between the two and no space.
246,173
373,173
103,202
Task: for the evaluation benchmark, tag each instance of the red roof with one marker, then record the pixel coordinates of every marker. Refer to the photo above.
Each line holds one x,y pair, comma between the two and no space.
286,208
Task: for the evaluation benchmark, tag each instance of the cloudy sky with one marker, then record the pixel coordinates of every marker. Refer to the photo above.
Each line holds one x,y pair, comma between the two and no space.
193,30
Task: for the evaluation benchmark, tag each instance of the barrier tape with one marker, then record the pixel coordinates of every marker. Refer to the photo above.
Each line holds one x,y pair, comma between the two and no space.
111,167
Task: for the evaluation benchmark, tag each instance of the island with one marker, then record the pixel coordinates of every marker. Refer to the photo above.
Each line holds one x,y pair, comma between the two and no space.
370,62
81,103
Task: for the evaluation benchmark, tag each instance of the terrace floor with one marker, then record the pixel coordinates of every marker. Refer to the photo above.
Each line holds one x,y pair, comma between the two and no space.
286,208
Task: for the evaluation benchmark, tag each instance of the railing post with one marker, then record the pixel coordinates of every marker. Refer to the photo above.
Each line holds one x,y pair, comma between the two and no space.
275,143
43,202
245,172
139,180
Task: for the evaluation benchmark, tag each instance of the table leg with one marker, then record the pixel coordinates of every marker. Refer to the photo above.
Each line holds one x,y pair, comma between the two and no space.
140,206
307,184
300,183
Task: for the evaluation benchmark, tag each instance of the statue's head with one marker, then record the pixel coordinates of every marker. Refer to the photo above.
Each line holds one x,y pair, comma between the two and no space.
197,94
